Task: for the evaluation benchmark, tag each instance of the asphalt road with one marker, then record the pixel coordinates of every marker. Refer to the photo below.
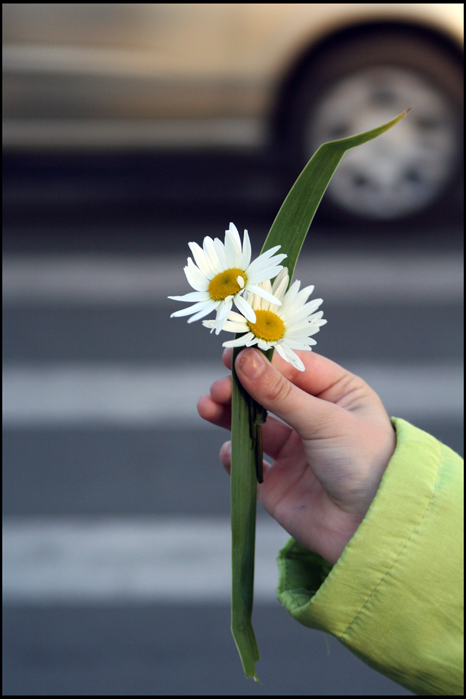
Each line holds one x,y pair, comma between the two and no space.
116,575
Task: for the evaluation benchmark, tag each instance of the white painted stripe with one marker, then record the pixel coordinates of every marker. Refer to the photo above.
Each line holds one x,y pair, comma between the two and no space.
346,278
62,560
101,134
92,279
105,394
92,395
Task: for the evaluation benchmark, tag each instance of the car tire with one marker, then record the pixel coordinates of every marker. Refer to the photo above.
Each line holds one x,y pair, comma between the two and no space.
413,170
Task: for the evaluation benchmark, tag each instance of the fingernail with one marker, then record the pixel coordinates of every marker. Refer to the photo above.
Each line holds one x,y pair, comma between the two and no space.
225,456
252,364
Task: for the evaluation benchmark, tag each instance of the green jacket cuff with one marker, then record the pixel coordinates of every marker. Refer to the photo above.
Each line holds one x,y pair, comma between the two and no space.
394,597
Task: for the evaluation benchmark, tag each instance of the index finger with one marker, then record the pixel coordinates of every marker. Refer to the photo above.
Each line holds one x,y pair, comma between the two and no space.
320,375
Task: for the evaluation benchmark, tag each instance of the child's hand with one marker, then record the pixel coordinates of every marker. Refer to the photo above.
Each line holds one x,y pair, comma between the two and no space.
329,456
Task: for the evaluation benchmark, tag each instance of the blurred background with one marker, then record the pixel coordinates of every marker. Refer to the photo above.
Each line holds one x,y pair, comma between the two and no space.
128,131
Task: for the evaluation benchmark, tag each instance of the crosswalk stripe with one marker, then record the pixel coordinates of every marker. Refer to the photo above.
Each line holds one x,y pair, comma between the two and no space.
162,559
346,278
166,396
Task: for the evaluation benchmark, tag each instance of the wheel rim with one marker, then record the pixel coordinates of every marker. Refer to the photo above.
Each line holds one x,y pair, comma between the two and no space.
405,169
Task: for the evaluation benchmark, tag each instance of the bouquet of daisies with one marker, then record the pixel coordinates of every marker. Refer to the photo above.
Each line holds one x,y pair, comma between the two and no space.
271,316
273,313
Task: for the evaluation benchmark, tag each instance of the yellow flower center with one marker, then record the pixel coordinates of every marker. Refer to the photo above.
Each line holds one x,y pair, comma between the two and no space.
225,284
268,326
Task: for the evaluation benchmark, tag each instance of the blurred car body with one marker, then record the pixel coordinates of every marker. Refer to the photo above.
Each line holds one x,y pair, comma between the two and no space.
285,76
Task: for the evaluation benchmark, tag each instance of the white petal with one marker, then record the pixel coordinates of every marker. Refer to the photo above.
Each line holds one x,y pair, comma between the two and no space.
296,318
240,281
221,254
280,284
246,258
239,341
263,261
300,309
202,313
201,259
295,361
300,315
294,344
192,296
261,274
304,338
245,308
222,312
291,357
195,277
281,351
293,291
302,330
313,305
214,262
233,247
271,251
267,258
210,305
290,295
308,289
236,317
310,322
263,345
257,303
296,306
264,294
232,327
234,233
266,285
228,326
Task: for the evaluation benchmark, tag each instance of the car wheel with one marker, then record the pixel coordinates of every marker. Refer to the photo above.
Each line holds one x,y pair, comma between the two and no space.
413,168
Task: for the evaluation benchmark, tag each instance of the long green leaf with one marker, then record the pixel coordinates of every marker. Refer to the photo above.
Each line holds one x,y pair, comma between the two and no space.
289,230
295,216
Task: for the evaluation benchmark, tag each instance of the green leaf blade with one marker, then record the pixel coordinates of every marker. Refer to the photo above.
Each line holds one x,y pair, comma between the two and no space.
295,216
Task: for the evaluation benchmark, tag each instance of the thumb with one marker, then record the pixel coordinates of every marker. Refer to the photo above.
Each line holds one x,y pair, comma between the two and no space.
276,393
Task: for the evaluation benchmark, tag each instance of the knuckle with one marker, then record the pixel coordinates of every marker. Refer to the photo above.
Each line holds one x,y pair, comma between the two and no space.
278,388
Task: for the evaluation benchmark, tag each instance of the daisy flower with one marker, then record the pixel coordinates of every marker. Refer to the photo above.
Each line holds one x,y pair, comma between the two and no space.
223,273
286,327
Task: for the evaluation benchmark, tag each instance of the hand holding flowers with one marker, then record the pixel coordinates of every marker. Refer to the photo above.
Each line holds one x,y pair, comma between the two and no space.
328,450
273,316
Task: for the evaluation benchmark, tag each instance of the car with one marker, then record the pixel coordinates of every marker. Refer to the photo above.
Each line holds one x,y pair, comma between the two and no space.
279,77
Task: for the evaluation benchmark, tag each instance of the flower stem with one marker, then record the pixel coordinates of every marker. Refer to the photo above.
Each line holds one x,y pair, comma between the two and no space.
243,525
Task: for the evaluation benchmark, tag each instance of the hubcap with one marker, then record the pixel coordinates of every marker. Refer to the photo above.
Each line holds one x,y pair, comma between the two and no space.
406,168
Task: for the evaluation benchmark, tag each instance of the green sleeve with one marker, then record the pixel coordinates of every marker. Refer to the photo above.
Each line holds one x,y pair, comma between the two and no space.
395,596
